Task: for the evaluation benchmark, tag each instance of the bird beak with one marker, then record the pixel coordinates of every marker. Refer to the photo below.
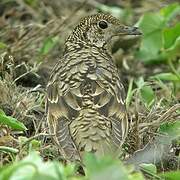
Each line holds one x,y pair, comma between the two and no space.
126,30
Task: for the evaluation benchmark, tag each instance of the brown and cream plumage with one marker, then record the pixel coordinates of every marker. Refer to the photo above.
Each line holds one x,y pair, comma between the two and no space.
85,98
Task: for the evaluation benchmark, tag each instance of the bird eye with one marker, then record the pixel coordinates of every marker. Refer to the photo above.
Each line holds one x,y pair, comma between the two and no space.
103,24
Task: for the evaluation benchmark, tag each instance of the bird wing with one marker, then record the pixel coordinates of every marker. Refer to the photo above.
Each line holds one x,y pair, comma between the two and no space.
62,106
65,97
111,100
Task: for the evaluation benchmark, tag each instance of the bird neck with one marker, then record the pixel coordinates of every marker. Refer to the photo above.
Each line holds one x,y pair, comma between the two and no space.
77,46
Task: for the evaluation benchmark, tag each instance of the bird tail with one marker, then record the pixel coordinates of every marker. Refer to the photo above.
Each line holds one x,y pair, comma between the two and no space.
62,138
92,133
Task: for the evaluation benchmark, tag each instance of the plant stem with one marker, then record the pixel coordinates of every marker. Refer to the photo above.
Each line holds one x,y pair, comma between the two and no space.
173,69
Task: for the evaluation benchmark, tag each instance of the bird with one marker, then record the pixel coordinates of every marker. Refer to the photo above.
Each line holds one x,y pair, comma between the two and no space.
85,105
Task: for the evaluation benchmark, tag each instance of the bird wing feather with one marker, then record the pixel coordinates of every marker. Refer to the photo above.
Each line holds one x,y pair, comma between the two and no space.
65,96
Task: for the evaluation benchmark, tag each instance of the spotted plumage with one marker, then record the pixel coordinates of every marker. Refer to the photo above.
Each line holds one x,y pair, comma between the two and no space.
85,98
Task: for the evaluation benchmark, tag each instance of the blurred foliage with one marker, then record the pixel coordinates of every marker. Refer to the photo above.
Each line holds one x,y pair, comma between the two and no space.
170,129
151,168
6,149
171,175
161,36
146,92
124,14
32,3
167,77
48,45
96,169
33,167
108,168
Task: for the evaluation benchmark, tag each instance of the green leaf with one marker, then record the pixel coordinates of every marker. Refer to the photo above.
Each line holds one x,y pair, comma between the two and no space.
170,11
151,24
69,170
171,129
2,112
149,58
159,42
32,3
136,176
151,168
170,36
147,94
173,175
8,149
104,168
174,51
11,122
165,77
3,45
35,144
33,167
140,82
49,44
152,42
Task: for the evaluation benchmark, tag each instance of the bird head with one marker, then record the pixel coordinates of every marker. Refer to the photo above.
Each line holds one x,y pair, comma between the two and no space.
99,29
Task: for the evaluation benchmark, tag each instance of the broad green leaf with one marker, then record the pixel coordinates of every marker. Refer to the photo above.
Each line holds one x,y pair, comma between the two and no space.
146,91
170,11
152,42
91,162
150,23
104,168
171,129
133,174
33,167
38,169
166,77
49,44
149,57
151,168
159,42
174,51
173,175
147,94
7,172
12,122
69,170
170,35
